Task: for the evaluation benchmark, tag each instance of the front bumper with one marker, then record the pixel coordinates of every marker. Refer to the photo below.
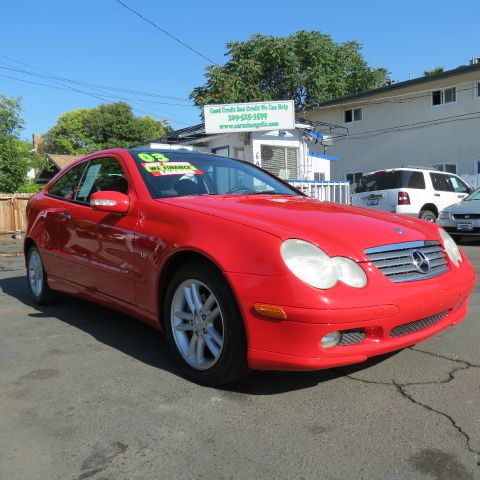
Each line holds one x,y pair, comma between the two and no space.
461,227
294,343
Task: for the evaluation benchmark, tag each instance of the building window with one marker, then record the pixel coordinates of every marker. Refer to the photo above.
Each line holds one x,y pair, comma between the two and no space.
281,161
446,167
353,115
353,177
476,167
445,95
319,176
240,153
222,151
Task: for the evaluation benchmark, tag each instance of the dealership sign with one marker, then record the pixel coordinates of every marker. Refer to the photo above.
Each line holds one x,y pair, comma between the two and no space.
249,117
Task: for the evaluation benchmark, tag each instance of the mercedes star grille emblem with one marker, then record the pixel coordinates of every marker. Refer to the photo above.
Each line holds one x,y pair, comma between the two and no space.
421,261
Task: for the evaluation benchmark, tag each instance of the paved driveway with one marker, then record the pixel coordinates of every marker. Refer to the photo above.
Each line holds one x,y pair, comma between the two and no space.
87,393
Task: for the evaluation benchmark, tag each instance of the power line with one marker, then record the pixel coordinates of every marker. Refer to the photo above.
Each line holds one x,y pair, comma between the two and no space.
145,19
104,94
90,85
98,94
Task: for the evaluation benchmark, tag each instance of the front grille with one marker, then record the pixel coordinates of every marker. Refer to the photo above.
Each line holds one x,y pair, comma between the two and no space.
411,327
396,261
454,231
351,337
466,216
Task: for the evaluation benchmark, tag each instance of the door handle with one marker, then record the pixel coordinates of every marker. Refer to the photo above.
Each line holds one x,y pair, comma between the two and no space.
65,215
437,194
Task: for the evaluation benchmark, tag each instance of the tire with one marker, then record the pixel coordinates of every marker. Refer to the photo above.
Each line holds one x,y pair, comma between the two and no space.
427,215
37,279
204,327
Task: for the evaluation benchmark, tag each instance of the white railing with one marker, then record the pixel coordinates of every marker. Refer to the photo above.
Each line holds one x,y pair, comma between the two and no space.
337,191
472,180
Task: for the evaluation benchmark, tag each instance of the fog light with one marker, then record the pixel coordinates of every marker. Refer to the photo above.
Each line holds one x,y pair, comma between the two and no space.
331,339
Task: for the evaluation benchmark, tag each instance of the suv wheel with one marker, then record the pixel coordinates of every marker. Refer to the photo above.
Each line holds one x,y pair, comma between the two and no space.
427,215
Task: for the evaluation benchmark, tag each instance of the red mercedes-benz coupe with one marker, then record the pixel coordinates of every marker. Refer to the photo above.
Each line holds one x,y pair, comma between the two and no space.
240,270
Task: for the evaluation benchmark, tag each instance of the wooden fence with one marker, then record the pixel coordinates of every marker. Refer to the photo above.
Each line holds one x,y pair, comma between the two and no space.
12,212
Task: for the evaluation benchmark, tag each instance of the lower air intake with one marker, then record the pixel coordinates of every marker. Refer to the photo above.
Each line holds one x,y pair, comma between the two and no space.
412,327
351,337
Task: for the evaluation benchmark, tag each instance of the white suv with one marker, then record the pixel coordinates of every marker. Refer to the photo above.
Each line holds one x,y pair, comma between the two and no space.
416,192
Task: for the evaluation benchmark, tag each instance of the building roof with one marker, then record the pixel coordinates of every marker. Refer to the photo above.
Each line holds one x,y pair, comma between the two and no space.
462,70
62,161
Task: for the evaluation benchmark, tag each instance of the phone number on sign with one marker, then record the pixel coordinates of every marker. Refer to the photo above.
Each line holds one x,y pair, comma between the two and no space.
248,116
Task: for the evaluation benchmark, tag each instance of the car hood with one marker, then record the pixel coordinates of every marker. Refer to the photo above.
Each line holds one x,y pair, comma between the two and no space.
470,206
338,229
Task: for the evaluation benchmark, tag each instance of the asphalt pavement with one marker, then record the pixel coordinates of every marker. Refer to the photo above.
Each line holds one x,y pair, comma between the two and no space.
88,393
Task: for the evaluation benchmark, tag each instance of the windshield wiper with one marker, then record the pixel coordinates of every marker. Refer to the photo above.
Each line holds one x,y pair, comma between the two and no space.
270,192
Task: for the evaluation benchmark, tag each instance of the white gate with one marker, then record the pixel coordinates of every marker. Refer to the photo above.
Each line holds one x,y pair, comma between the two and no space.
337,191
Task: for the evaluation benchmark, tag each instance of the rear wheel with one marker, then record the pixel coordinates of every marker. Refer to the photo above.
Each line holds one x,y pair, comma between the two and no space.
37,279
427,215
204,327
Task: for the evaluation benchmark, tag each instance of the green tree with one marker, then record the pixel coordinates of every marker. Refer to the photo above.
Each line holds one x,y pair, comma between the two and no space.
433,71
307,67
106,126
16,156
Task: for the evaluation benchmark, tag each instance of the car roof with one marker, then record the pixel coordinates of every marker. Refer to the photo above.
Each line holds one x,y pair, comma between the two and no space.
409,169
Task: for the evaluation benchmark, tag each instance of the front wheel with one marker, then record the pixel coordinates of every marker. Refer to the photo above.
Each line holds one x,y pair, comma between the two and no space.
37,279
204,327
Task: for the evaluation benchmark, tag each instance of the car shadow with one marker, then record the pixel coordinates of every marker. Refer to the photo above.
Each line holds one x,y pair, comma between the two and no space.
149,346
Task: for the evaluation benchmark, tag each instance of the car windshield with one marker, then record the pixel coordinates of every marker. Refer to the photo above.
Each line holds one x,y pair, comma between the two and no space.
180,174
473,196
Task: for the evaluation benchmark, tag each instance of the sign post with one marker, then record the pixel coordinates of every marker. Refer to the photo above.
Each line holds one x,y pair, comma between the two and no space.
249,117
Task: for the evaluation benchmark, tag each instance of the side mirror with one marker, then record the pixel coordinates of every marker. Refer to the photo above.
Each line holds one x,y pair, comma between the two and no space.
110,202
471,189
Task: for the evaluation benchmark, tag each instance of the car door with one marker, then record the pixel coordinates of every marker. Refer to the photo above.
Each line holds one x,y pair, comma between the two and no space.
445,186
60,193
460,187
100,245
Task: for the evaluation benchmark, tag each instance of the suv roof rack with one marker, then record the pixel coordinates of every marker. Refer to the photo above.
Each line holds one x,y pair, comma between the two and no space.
422,167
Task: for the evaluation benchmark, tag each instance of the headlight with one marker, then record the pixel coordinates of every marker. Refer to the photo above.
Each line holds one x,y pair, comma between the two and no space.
451,247
445,216
313,266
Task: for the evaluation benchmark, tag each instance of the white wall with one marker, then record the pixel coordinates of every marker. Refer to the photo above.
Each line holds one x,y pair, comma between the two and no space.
439,140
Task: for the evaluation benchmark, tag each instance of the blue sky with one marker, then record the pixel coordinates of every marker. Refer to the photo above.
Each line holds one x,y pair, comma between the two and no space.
99,41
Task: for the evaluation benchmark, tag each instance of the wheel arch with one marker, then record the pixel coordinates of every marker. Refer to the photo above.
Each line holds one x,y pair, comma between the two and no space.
27,244
429,206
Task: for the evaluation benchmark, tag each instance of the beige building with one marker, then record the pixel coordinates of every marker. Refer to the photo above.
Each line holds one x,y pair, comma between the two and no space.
427,121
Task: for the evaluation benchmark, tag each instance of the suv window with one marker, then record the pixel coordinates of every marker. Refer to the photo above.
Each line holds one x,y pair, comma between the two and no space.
102,174
66,186
440,182
412,179
458,185
379,181
448,183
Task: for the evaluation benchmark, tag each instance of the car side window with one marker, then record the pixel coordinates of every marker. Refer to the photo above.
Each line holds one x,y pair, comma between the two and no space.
414,180
458,185
441,182
67,185
102,174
